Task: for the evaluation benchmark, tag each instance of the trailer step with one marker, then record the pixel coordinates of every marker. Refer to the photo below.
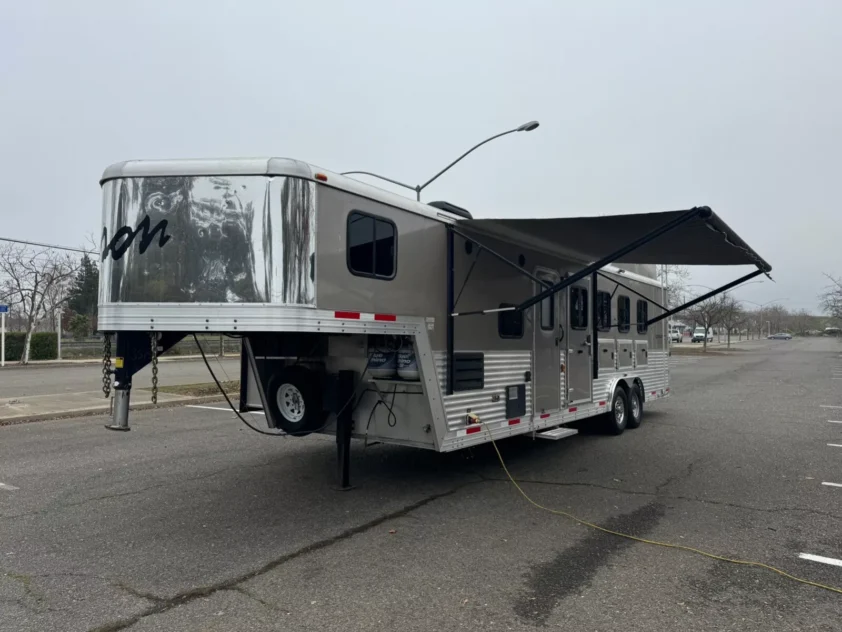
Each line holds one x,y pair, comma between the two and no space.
557,433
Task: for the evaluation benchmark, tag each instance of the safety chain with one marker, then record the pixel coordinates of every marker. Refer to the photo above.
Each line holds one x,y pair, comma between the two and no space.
106,366
154,337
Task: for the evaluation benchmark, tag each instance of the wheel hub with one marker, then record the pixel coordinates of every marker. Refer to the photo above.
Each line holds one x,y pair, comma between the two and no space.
619,411
290,402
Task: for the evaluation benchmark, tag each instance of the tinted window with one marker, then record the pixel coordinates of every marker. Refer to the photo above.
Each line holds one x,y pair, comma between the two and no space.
384,248
603,311
371,246
510,324
548,313
642,316
578,308
623,314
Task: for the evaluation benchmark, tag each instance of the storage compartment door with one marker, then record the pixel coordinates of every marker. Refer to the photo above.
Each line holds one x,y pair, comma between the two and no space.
625,354
641,353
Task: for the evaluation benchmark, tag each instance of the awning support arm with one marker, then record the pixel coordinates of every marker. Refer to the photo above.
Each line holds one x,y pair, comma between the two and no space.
450,323
467,278
701,211
633,291
704,297
500,257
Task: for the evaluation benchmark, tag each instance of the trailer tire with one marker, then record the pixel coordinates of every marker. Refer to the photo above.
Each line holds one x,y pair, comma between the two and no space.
635,406
617,418
294,400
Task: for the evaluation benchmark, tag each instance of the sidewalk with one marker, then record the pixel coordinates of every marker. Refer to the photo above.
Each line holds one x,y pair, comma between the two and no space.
41,407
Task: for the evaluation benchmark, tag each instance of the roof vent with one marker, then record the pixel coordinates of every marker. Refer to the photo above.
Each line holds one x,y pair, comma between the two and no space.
452,208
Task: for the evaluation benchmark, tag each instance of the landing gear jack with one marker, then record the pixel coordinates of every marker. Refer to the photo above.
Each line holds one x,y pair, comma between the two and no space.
135,349
120,419
344,427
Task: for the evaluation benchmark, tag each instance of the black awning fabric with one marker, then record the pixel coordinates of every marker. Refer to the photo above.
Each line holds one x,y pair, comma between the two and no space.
698,241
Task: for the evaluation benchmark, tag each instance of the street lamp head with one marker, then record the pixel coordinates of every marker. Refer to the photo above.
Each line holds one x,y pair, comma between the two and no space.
528,127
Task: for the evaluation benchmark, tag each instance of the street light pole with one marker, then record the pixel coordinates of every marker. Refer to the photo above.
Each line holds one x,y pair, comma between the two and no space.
526,127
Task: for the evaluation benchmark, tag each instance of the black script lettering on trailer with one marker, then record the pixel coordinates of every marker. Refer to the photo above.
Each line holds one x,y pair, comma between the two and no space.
118,248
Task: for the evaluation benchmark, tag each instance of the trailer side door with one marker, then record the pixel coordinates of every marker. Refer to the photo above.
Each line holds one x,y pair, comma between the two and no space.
546,381
579,344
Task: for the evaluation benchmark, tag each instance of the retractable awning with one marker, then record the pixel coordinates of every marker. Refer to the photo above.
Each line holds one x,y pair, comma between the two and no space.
700,238
692,237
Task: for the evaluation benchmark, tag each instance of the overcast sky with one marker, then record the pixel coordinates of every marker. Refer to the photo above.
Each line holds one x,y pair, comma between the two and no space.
643,106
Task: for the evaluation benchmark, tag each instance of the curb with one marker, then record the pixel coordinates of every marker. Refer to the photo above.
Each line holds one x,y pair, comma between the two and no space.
92,412
64,364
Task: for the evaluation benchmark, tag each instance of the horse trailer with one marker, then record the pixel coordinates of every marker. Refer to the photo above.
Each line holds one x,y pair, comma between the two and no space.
366,314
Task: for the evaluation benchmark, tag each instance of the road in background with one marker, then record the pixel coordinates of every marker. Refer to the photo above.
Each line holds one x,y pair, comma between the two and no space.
192,522
73,378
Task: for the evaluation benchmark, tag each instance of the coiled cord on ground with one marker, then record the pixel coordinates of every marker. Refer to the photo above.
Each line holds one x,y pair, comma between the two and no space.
668,545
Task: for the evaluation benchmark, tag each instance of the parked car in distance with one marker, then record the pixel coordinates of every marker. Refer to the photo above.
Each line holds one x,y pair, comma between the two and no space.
675,335
699,335
780,336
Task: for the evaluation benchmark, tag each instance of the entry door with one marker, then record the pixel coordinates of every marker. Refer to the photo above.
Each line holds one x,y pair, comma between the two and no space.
579,343
546,380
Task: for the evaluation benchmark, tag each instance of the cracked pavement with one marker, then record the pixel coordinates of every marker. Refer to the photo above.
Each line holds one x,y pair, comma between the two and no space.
192,522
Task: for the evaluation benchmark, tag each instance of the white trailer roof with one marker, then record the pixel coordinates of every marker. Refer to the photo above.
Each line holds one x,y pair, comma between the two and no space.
268,167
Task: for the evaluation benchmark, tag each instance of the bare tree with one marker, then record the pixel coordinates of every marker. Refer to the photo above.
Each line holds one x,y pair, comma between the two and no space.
831,298
801,321
674,279
732,315
56,297
31,279
708,314
777,318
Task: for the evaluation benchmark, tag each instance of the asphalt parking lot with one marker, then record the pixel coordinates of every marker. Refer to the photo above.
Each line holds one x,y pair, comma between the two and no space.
191,522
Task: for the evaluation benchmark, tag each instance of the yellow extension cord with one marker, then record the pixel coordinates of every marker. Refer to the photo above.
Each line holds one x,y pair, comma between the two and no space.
667,545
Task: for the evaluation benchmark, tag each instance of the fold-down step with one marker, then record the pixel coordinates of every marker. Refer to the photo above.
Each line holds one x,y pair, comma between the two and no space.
557,433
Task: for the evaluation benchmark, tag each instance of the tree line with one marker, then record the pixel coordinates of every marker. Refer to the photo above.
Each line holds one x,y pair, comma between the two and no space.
738,317
38,284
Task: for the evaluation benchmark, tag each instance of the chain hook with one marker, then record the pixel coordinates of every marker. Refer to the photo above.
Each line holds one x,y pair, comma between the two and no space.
106,365
154,339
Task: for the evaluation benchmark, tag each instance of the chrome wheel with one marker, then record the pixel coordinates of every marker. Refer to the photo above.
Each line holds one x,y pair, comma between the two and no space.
635,405
290,402
619,411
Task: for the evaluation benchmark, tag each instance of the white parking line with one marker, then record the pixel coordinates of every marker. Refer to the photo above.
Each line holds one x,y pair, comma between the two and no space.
226,410
826,406
832,484
819,558
8,488
831,421
835,445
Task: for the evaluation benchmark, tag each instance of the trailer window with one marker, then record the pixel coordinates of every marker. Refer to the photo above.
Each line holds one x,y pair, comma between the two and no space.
372,246
578,308
603,311
642,316
623,314
548,313
510,324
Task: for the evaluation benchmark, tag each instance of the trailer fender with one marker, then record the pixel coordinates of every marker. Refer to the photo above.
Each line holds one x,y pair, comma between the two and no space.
617,382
